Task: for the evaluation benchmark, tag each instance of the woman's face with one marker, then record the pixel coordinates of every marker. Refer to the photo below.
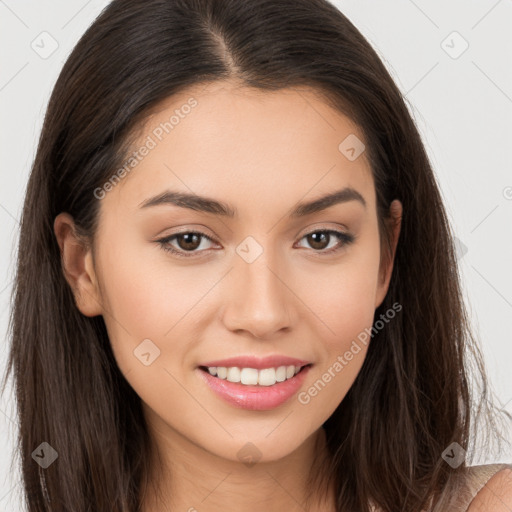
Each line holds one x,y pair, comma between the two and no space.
273,278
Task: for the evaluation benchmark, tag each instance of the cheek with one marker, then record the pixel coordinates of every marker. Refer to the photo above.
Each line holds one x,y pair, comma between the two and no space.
343,296
346,312
347,315
343,300
147,296
139,301
144,290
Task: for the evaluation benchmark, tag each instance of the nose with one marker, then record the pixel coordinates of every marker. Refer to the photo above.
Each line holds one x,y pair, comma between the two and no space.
258,298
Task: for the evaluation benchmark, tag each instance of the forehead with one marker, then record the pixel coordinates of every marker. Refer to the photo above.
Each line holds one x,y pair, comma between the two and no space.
244,144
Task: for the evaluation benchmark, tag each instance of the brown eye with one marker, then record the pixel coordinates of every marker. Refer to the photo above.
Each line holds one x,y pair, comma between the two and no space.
320,240
185,244
188,241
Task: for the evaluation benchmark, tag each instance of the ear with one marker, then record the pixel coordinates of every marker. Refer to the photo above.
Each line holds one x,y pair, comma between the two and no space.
77,266
388,258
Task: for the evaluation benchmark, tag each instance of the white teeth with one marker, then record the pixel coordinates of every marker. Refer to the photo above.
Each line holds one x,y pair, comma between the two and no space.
281,374
233,374
249,376
252,376
267,377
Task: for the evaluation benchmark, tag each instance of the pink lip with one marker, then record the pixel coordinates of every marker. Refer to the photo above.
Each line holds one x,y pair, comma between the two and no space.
257,362
255,398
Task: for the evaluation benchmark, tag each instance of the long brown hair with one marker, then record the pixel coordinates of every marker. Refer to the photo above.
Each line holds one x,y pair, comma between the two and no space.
412,397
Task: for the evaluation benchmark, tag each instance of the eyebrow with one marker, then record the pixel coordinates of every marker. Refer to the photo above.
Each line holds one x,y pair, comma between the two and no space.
210,205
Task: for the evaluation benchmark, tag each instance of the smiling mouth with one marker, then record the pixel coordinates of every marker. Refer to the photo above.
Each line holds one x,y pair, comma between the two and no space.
253,376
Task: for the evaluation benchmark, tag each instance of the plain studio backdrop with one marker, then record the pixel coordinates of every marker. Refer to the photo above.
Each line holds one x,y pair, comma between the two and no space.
452,61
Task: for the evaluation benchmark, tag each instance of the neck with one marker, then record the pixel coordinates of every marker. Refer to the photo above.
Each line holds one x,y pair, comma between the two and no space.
192,479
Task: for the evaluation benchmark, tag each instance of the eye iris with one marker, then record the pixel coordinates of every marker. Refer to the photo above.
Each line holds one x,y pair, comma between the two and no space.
313,239
188,240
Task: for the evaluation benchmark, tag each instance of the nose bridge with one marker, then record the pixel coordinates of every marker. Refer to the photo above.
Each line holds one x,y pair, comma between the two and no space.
259,300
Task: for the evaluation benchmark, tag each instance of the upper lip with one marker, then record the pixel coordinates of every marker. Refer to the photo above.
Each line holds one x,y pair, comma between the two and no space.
273,361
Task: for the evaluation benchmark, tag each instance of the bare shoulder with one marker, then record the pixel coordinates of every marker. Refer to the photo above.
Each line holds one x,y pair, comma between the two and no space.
495,494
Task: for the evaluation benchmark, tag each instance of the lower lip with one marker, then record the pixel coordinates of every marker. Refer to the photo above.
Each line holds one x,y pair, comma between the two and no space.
255,398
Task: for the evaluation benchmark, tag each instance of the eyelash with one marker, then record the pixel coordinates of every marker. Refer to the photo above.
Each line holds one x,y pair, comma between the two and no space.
345,238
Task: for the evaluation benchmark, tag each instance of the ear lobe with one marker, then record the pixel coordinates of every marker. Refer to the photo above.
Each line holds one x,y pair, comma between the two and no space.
77,266
388,259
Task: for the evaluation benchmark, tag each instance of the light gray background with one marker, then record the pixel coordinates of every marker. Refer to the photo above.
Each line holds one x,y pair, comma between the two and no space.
461,103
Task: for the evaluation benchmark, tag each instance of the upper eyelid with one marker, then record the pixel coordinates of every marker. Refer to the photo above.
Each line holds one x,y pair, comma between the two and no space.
341,229
211,239
345,238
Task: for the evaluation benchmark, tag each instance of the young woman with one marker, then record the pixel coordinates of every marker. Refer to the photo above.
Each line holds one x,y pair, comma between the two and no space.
236,286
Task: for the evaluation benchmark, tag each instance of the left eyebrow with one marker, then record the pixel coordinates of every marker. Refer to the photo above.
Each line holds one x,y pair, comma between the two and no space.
322,203
210,205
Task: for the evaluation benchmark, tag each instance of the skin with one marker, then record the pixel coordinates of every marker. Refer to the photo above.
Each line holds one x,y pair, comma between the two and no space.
262,153
495,495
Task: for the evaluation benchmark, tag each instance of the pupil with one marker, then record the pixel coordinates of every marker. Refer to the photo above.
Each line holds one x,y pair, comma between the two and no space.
319,244
188,237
